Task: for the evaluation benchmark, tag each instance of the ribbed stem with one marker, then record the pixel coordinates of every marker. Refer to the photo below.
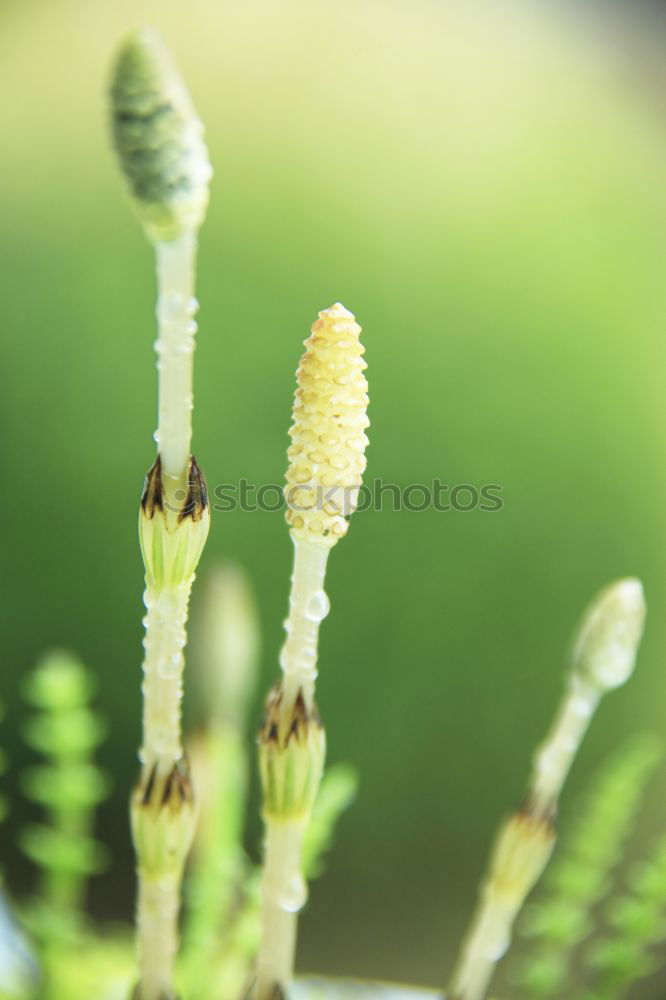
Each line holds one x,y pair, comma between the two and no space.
284,893
487,941
553,759
157,909
167,607
521,851
172,535
176,307
308,606
283,887
159,888
159,140
163,665
326,461
524,844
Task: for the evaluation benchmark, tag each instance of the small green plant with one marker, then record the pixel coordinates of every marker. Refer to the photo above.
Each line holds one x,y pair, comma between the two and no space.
48,948
564,915
636,925
602,658
68,785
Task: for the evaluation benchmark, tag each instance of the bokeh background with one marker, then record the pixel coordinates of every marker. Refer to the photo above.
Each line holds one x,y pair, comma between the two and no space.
484,185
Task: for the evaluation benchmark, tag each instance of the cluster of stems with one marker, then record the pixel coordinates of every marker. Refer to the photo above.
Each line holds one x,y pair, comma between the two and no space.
159,141
158,138
603,657
326,464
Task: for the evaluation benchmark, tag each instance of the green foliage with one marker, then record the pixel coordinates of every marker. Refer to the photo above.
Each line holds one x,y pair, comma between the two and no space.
221,930
221,933
636,921
68,786
221,926
581,876
216,885
66,732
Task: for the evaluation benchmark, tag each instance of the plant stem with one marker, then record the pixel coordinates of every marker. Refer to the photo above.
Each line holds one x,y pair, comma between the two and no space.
172,538
521,851
218,865
326,462
163,823
553,759
291,756
226,655
176,306
308,606
158,904
159,140
284,893
603,658
173,528
163,666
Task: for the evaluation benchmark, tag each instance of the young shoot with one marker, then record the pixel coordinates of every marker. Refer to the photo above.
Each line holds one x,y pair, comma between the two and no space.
603,657
159,140
326,463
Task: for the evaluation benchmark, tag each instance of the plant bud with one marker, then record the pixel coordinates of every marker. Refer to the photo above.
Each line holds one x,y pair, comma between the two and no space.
163,820
173,531
605,646
327,454
292,748
158,138
521,852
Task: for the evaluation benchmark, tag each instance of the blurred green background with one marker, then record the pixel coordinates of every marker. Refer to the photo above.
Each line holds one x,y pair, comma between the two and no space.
485,187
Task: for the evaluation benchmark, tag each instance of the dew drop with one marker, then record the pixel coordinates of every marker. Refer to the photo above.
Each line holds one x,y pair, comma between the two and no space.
285,661
582,706
317,607
295,894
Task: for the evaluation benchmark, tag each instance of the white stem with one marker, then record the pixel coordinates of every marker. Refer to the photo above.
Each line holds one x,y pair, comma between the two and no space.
308,606
157,935
283,887
487,940
284,893
163,665
553,759
490,933
167,606
176,307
